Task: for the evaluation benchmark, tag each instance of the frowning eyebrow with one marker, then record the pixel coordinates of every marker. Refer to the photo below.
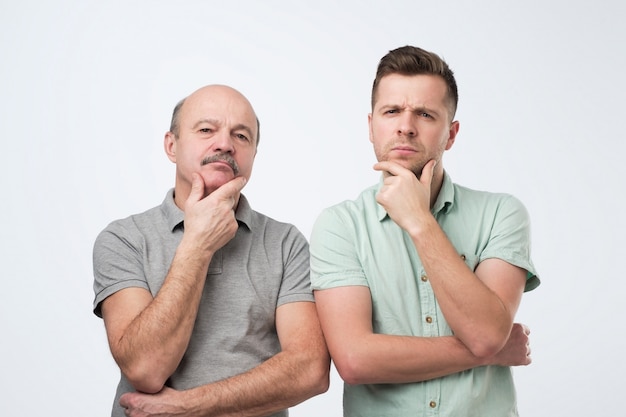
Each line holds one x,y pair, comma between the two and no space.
415,110
202,121
216,122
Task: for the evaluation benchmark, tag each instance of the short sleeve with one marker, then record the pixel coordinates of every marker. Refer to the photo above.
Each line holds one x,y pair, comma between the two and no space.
334,258
296,284
510,239
117,264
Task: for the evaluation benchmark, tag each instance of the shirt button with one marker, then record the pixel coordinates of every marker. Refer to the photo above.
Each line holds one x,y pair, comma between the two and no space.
432,404
463,257
429,319
424,278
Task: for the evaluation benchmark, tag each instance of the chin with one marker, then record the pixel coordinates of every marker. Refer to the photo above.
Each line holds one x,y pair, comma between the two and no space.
216,181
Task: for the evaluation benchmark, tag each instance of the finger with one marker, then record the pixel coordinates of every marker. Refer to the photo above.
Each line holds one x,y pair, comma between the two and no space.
125,403
197,187
235,185
231,188
390,167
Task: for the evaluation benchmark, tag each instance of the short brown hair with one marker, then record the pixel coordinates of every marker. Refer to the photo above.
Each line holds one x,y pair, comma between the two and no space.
411,60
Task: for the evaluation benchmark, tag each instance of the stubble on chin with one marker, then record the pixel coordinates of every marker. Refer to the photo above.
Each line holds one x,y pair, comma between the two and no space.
416,167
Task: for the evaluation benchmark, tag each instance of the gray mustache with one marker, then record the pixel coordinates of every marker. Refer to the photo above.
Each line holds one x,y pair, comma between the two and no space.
222,157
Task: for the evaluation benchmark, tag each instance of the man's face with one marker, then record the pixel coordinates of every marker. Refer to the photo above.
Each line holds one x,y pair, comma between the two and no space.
217,138
410,123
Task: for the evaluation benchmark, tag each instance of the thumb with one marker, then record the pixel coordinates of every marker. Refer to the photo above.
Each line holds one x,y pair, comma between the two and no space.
428,172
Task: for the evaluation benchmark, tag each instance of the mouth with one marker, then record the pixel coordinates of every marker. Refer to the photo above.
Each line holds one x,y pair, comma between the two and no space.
222,159
403,150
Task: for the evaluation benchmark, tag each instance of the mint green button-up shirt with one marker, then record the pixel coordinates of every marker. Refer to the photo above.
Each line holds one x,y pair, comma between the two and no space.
357,243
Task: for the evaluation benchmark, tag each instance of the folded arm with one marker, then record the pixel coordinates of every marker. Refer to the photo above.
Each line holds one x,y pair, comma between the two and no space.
478,305
148,336
364,357
298,372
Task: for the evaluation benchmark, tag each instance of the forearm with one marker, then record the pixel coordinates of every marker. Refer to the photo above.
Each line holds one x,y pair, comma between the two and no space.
153,344
279,383
478,317
379,359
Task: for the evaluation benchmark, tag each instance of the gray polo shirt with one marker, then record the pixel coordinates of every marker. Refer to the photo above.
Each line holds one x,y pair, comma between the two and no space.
264,266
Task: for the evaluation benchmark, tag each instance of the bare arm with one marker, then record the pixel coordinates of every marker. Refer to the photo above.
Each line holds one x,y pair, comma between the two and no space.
298,372
147,336
479,306
364,357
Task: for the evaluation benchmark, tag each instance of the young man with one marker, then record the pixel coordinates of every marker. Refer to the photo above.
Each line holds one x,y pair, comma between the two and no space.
418,280
207,304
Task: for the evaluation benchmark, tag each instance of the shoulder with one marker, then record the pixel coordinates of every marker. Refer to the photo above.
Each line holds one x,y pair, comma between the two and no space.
132,227
497,201
356,208
272,230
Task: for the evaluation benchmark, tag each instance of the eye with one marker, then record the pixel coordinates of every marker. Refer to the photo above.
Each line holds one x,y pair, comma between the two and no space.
426,115
241,136
205,130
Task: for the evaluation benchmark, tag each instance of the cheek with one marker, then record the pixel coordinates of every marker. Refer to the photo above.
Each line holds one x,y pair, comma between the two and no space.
380,150
246,162
188,161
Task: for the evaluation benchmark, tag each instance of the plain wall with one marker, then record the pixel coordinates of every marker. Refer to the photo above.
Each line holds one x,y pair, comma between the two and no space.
86,93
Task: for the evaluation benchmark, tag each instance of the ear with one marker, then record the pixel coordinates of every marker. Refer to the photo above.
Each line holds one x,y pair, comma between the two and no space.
454,129
169,144
369,125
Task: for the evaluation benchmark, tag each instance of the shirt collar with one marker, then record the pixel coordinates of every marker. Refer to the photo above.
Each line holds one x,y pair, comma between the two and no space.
175,216
444,201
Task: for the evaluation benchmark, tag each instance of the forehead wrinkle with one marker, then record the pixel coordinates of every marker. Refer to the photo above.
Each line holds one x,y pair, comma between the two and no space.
238,126
210,121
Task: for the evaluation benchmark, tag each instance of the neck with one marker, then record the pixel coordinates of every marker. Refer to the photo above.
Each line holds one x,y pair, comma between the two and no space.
436,184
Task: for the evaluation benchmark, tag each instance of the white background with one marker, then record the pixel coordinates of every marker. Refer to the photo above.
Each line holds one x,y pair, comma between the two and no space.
86,93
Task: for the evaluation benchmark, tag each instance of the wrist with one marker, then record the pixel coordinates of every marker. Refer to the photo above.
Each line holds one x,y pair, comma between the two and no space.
194,246
422,227
192,400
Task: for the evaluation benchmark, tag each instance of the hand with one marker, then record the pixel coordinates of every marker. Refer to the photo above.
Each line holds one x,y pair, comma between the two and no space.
210,221
168,402
405,197
516,351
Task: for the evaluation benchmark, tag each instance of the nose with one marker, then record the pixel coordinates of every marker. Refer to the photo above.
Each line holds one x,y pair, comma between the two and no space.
223,142
406,125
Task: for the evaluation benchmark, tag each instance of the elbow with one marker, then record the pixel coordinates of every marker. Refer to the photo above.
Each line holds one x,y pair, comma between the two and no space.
320,384
319,376
144,379
146,386
486,346
352,369
145,374
484,350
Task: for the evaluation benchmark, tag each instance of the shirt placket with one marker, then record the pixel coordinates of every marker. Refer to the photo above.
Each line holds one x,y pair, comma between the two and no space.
430,327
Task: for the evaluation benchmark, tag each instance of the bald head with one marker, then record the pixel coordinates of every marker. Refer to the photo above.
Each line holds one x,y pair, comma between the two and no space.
215,93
